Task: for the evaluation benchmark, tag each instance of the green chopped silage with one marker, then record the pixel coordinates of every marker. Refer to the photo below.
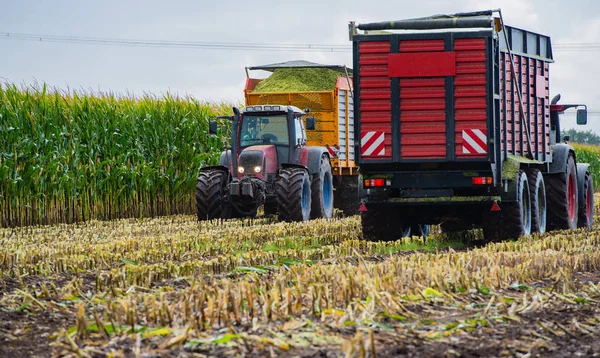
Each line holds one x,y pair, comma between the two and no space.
299,80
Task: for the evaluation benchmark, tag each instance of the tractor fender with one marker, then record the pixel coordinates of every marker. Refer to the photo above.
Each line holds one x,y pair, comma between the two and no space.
213,167
225,159
311,158
560,155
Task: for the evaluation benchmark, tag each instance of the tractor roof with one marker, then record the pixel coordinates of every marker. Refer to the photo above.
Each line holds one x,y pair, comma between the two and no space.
271,108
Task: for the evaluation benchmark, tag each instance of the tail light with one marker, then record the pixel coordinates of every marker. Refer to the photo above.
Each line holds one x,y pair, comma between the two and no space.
483,181
371,183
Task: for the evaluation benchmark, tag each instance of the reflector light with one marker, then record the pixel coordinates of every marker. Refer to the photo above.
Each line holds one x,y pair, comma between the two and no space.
495,207
374,182
482,181
362,207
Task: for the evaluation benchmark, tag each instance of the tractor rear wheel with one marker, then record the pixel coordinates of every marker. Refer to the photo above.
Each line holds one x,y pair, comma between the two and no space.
322,191
383,225
514,219
586,201
209,195
293,194
561,195
537,191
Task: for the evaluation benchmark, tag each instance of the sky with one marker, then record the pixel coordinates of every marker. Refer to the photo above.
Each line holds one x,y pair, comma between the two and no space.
219,74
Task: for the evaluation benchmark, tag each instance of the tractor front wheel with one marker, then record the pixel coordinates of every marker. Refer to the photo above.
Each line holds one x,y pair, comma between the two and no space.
561,194
293,194
209,195
586,200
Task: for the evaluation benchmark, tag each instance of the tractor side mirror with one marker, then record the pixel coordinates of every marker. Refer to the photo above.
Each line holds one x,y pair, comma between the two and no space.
212,127
582,116
311,123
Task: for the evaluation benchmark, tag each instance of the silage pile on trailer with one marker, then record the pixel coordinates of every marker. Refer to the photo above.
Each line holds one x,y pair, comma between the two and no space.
299,80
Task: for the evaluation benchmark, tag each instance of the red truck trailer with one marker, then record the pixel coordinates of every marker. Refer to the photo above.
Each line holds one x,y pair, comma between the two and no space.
455,126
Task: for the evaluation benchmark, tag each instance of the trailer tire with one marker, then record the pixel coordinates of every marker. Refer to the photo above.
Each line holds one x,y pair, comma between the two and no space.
537,191
209,195
322,191
383,225
561,196
514,219
586,203
293,194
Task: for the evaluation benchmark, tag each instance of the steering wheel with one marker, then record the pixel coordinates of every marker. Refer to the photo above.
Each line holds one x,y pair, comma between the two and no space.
268,137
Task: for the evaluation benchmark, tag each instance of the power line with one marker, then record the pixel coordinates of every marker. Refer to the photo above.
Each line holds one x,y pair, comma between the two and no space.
175,44
240,46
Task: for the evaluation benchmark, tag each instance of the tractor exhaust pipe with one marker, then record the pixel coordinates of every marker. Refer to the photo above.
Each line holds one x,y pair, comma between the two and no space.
234,143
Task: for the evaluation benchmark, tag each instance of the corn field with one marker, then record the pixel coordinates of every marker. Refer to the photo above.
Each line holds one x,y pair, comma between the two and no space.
68,157
171,286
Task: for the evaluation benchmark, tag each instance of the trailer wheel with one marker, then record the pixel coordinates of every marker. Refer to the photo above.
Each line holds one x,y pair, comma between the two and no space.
561,195
322,192
514,219
586,202
537,191
209,195
293,194
383,225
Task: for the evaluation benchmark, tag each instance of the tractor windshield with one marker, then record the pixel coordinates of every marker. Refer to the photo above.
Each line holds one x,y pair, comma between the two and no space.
258,130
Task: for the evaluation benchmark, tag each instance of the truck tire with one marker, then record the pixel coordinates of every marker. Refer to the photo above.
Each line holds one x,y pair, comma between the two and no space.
513,219
209,195
586,203
293,194
561,197
537,191
322,192
383,225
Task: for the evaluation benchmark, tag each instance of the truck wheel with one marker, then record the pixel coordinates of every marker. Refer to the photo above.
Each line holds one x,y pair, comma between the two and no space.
293,194
383,225
322,192
514,219
586,202
209,195
561,195
537,191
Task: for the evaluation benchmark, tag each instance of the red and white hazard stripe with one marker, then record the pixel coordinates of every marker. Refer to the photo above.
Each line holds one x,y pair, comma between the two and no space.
474,141
372,143
333,150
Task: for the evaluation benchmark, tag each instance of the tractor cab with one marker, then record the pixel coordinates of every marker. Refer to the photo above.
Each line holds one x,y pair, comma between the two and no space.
276,132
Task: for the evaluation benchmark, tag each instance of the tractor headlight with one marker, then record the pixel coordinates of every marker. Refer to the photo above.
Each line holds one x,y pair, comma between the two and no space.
257,169
241,170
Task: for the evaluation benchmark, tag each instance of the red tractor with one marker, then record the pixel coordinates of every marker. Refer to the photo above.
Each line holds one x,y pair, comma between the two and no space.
268,164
